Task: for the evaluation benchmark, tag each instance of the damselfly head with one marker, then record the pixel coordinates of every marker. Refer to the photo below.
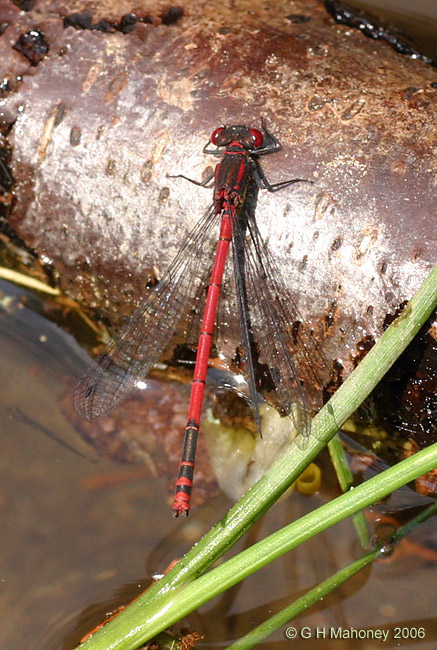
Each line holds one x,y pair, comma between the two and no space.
249,138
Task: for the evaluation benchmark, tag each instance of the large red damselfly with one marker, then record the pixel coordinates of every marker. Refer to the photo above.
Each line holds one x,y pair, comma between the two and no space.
269,322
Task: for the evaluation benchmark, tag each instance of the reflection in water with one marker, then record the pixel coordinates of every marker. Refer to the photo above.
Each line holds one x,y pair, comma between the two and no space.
63,546
66,546
15,413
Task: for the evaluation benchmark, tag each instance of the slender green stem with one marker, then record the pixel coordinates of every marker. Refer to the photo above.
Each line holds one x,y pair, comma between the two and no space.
144,620
145,617
300,605
345,478
313,596
341,465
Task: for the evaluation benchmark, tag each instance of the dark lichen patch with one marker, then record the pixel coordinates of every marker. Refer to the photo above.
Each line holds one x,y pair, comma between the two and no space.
172,15
32,45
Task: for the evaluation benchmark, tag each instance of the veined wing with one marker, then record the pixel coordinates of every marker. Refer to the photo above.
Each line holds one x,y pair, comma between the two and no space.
286,344
138,345
242,285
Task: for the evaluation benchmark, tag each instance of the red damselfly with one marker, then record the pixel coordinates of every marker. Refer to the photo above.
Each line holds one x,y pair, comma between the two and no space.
269,322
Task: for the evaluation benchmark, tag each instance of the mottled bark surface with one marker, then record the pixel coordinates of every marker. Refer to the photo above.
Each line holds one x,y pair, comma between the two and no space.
91,128
100,120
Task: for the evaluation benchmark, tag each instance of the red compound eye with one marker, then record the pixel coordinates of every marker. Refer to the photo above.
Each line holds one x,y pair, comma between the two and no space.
216,134
257,138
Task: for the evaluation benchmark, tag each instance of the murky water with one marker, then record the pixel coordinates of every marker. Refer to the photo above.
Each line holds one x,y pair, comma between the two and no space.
74,527
81,535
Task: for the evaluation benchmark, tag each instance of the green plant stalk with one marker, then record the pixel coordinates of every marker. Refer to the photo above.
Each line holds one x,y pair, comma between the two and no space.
345,478
341,465
313,596
303,603
144,620
128,628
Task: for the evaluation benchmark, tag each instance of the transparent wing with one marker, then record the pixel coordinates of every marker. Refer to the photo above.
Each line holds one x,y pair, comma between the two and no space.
129,356
242,284
284,342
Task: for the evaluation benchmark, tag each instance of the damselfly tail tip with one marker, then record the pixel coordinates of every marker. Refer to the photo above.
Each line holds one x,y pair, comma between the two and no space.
181,505
177,510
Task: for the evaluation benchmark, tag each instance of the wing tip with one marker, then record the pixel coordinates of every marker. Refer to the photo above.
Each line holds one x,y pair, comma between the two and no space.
82,400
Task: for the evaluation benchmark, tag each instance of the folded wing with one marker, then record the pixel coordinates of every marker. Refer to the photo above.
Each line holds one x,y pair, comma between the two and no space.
138,345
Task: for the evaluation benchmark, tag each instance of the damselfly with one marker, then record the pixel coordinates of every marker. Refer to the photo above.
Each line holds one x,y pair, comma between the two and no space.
269,322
